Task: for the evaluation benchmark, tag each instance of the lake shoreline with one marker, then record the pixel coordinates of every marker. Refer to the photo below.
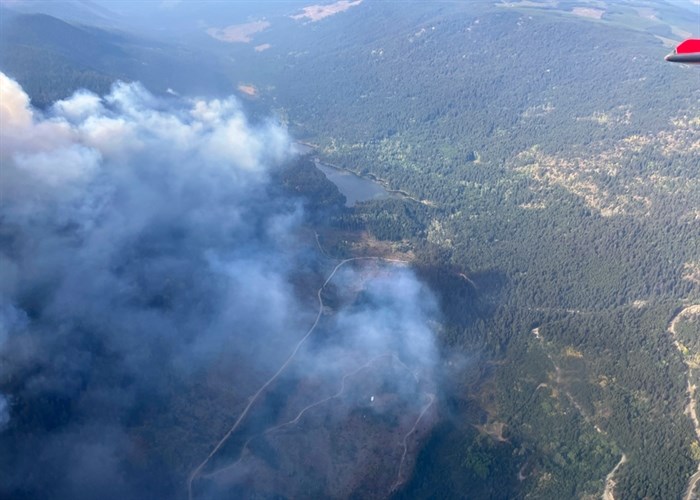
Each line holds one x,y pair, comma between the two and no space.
368,177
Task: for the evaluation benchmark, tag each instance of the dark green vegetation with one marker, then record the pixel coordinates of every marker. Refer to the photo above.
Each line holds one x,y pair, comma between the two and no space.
51,59
556,157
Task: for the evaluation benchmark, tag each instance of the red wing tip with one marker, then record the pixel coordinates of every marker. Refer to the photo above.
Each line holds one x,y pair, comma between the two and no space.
689,46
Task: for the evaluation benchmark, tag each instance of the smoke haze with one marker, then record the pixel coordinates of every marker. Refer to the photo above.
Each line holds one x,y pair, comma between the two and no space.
146,257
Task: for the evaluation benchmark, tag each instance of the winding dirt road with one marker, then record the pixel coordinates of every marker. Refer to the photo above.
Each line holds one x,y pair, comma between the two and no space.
609,492
198,470
399,475
301,413
690,409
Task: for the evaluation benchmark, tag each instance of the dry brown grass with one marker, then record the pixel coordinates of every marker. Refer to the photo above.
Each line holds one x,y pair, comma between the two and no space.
363,244
317,12
493,429
238,33
584,173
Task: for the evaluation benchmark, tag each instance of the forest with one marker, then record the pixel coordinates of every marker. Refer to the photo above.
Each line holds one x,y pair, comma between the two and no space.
552,166
567,192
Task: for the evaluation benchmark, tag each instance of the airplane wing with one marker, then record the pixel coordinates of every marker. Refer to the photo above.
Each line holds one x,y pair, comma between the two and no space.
687,52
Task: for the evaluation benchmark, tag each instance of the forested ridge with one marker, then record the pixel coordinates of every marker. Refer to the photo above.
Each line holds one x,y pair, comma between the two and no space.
52,58
552,162
558,163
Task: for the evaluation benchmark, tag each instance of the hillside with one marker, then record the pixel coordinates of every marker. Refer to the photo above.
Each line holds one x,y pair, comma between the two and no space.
558,151
548,159
53,58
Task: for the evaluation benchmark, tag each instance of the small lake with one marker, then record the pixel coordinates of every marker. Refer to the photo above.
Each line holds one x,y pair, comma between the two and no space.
355,188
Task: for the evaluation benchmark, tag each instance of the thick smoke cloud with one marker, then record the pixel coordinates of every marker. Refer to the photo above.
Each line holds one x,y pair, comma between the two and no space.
140,245
4,411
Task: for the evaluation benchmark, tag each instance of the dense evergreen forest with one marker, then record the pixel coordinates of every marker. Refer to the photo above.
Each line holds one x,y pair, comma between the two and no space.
552,162
52,59
562,178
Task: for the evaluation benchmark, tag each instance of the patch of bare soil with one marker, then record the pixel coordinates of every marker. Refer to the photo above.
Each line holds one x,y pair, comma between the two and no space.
238,33
362,243
609,493
587,12
494,429
249,90
317,12
587,173
529,3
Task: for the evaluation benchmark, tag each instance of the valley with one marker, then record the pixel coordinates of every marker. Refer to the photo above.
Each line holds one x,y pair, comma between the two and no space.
428,248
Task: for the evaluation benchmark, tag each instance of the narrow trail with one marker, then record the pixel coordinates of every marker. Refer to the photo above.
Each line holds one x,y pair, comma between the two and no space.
468,280
399,476
690,409
609,492
693,310
320,248
530,398
521,472
691,486
521,476
301,413
558,381
197,471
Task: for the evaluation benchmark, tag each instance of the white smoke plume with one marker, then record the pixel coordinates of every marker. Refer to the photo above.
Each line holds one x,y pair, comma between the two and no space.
144,258
4,412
